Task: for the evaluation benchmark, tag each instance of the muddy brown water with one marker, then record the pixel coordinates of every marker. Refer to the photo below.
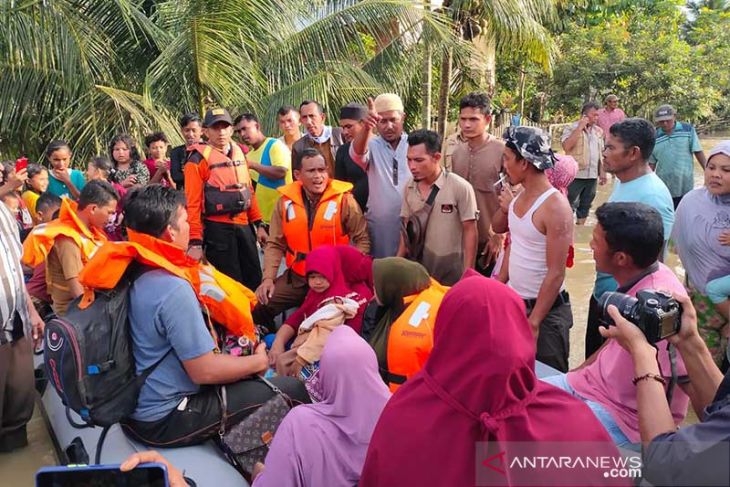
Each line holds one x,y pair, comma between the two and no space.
17,469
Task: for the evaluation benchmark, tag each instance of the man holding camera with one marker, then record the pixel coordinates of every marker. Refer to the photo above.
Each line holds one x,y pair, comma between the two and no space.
626,242
696,454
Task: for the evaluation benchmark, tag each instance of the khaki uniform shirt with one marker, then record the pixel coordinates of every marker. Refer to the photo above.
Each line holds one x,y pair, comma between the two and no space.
455,203
481,166
64,263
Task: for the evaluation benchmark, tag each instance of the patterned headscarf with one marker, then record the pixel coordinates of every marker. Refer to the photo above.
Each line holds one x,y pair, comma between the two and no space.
532,144
563,173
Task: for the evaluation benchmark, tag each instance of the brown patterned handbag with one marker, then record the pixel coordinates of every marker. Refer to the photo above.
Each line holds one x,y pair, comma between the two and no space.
248,442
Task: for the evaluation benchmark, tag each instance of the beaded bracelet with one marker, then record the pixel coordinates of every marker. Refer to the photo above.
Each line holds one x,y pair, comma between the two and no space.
656,377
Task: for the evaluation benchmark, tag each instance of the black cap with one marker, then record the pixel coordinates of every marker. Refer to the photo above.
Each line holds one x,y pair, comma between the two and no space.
533,144
354,111
215,115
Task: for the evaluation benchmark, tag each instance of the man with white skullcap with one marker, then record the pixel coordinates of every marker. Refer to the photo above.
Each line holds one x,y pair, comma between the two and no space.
383,157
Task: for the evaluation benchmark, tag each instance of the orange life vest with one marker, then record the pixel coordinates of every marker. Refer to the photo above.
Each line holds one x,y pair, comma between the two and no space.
410,339
40,240
227,190
326,228
225,300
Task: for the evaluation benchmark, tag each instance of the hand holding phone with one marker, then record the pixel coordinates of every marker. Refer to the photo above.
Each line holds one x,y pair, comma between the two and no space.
145,475
21,163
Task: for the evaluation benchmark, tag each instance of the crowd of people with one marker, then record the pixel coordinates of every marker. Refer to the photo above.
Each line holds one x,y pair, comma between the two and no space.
398,290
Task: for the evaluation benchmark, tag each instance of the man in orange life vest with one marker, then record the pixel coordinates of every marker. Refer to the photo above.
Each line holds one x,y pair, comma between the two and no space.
221,203
70,241
312,211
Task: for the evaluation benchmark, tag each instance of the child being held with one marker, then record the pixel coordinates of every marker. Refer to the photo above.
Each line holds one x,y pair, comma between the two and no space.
332,272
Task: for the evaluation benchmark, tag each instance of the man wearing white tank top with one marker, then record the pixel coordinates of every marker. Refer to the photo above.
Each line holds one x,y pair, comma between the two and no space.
540,222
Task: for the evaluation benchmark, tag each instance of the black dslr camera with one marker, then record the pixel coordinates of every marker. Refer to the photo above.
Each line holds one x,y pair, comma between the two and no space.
656,313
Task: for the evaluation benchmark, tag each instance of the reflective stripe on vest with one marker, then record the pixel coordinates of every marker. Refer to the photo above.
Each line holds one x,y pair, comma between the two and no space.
410,339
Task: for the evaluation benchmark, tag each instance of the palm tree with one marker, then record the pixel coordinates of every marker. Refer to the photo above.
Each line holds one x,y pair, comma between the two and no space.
508,27
85,69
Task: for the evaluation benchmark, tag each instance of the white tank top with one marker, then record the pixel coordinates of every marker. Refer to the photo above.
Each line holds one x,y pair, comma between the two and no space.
528,252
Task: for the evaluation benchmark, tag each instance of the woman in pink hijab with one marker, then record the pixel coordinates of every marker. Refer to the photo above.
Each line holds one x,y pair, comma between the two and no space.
560,176
476,396
324,444
562,173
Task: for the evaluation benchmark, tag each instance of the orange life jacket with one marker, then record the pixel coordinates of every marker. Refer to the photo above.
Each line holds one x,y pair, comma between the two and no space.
326,228
40,240
410,339
227,190
225,300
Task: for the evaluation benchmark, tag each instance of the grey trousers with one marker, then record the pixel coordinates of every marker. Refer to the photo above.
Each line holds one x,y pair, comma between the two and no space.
17,388
581,194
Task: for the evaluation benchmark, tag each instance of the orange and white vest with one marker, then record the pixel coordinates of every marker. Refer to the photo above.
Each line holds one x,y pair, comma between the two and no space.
410,339
40,240
326,228
224,300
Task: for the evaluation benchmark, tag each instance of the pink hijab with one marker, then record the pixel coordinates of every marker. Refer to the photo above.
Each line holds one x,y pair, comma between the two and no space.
562,173
324,444
478,387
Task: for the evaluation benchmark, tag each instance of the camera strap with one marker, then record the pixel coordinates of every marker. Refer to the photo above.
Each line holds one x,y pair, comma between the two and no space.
647,272
672,351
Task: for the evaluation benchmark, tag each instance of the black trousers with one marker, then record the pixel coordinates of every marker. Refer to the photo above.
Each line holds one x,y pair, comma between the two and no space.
594,340
553,342
232,250
200,418
290,289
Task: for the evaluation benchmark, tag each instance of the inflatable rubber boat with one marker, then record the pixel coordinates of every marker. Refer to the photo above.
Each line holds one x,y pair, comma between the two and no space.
204,463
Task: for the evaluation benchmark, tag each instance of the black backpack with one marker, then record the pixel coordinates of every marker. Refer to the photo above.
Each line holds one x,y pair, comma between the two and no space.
88,356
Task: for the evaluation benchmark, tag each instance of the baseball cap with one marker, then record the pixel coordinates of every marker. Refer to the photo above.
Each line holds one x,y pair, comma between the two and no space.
664,112
533,144
215,115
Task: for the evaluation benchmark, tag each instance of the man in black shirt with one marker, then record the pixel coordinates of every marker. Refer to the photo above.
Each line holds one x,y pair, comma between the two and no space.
351,117
191,127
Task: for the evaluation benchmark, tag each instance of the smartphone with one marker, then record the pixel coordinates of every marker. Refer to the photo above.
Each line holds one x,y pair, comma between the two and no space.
21,163
145,475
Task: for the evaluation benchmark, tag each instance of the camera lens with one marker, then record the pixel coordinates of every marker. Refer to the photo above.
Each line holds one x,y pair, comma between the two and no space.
623,302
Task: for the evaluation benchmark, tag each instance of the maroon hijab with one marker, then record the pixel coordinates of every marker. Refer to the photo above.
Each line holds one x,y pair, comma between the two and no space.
478,385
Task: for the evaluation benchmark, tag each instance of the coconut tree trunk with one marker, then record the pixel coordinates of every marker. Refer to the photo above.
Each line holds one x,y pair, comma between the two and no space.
427,77
444,89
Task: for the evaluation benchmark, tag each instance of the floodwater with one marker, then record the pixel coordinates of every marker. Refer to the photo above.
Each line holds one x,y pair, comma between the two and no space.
17,469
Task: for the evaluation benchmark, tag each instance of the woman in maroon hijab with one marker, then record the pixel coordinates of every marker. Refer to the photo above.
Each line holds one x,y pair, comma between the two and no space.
456,421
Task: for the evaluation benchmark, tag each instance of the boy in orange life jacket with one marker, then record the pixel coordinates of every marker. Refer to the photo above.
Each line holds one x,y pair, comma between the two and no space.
221,203
69,242
312,211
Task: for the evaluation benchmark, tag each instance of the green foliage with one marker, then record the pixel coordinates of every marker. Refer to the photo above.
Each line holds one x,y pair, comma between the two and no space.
87,69
640,52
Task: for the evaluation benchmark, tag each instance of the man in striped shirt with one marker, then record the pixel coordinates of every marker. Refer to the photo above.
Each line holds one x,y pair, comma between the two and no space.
675,147
18,322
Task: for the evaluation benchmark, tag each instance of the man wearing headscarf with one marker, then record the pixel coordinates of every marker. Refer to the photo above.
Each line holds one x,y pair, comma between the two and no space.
540,223
383,158
351,123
